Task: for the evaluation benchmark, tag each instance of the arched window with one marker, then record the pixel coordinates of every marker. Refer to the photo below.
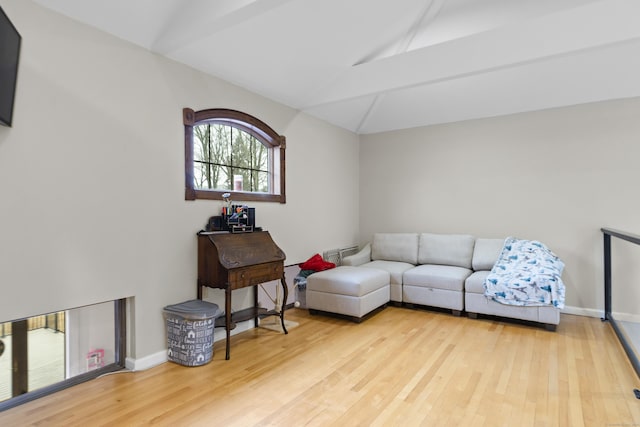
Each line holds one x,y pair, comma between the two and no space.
227,151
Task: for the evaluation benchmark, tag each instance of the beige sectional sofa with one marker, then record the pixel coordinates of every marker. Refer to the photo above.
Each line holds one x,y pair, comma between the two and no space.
438,270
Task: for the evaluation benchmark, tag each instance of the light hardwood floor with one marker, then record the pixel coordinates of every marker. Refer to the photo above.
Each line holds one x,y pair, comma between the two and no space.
400,367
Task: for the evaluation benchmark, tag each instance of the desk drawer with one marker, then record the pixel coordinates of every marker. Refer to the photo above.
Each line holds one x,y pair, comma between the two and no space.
255,274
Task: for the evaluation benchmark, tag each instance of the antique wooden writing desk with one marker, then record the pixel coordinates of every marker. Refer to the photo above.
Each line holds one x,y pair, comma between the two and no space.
233,261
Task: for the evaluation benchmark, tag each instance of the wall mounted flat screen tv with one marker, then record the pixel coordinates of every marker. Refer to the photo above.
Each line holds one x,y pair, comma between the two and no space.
9,56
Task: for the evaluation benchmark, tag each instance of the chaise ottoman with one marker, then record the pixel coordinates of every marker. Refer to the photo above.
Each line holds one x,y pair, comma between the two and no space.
347,290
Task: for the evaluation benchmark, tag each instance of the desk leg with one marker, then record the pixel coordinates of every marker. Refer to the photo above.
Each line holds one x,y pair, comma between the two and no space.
285,292
256,320
227,314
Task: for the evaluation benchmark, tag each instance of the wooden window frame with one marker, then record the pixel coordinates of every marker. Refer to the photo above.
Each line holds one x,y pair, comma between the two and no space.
246,123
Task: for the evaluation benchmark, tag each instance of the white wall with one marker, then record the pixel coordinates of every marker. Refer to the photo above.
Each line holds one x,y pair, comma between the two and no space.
556,176
92,176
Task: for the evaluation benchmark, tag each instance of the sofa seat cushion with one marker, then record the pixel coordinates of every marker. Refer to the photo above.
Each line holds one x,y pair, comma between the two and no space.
475,283
395,269
437,276
347,280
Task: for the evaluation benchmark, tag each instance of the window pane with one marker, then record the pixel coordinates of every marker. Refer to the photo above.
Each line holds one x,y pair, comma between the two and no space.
223,156
200,142
260,182
212,156
202,175
225,179
242,150
261,157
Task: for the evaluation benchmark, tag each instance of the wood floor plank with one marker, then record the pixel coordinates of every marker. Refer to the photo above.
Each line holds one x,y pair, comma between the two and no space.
400,367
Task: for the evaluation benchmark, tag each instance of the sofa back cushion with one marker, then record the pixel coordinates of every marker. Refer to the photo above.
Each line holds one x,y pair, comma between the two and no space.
446,249
486,253
402,247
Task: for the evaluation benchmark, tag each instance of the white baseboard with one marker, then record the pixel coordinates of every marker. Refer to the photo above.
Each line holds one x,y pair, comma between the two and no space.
160,357
146,362
626,317
579,311
590,312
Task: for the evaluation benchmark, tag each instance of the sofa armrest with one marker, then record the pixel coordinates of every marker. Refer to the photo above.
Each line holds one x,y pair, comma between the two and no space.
360,258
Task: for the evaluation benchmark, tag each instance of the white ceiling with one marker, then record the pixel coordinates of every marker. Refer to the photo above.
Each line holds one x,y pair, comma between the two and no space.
377,65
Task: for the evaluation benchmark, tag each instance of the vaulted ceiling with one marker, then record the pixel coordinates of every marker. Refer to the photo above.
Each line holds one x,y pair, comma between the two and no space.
376,65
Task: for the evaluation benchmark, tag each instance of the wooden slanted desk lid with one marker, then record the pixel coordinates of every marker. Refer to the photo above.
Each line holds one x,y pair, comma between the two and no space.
245,249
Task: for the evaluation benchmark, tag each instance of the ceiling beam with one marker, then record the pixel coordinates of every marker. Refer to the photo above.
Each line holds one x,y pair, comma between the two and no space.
429,12
592,26
202,18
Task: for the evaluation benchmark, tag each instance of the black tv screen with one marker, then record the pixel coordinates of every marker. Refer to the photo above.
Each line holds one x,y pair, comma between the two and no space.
9,56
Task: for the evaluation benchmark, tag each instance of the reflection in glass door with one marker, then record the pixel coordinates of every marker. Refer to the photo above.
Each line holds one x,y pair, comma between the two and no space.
33,356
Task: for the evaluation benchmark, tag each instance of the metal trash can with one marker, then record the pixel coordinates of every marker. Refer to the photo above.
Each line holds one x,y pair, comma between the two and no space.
190,326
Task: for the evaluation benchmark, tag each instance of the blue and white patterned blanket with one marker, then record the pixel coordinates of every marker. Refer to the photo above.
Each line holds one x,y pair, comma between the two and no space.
526,273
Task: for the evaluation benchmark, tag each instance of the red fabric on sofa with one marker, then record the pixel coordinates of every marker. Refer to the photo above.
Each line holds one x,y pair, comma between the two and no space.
316,263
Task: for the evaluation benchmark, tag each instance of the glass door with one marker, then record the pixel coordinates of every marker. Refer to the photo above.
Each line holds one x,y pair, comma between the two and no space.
43,354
